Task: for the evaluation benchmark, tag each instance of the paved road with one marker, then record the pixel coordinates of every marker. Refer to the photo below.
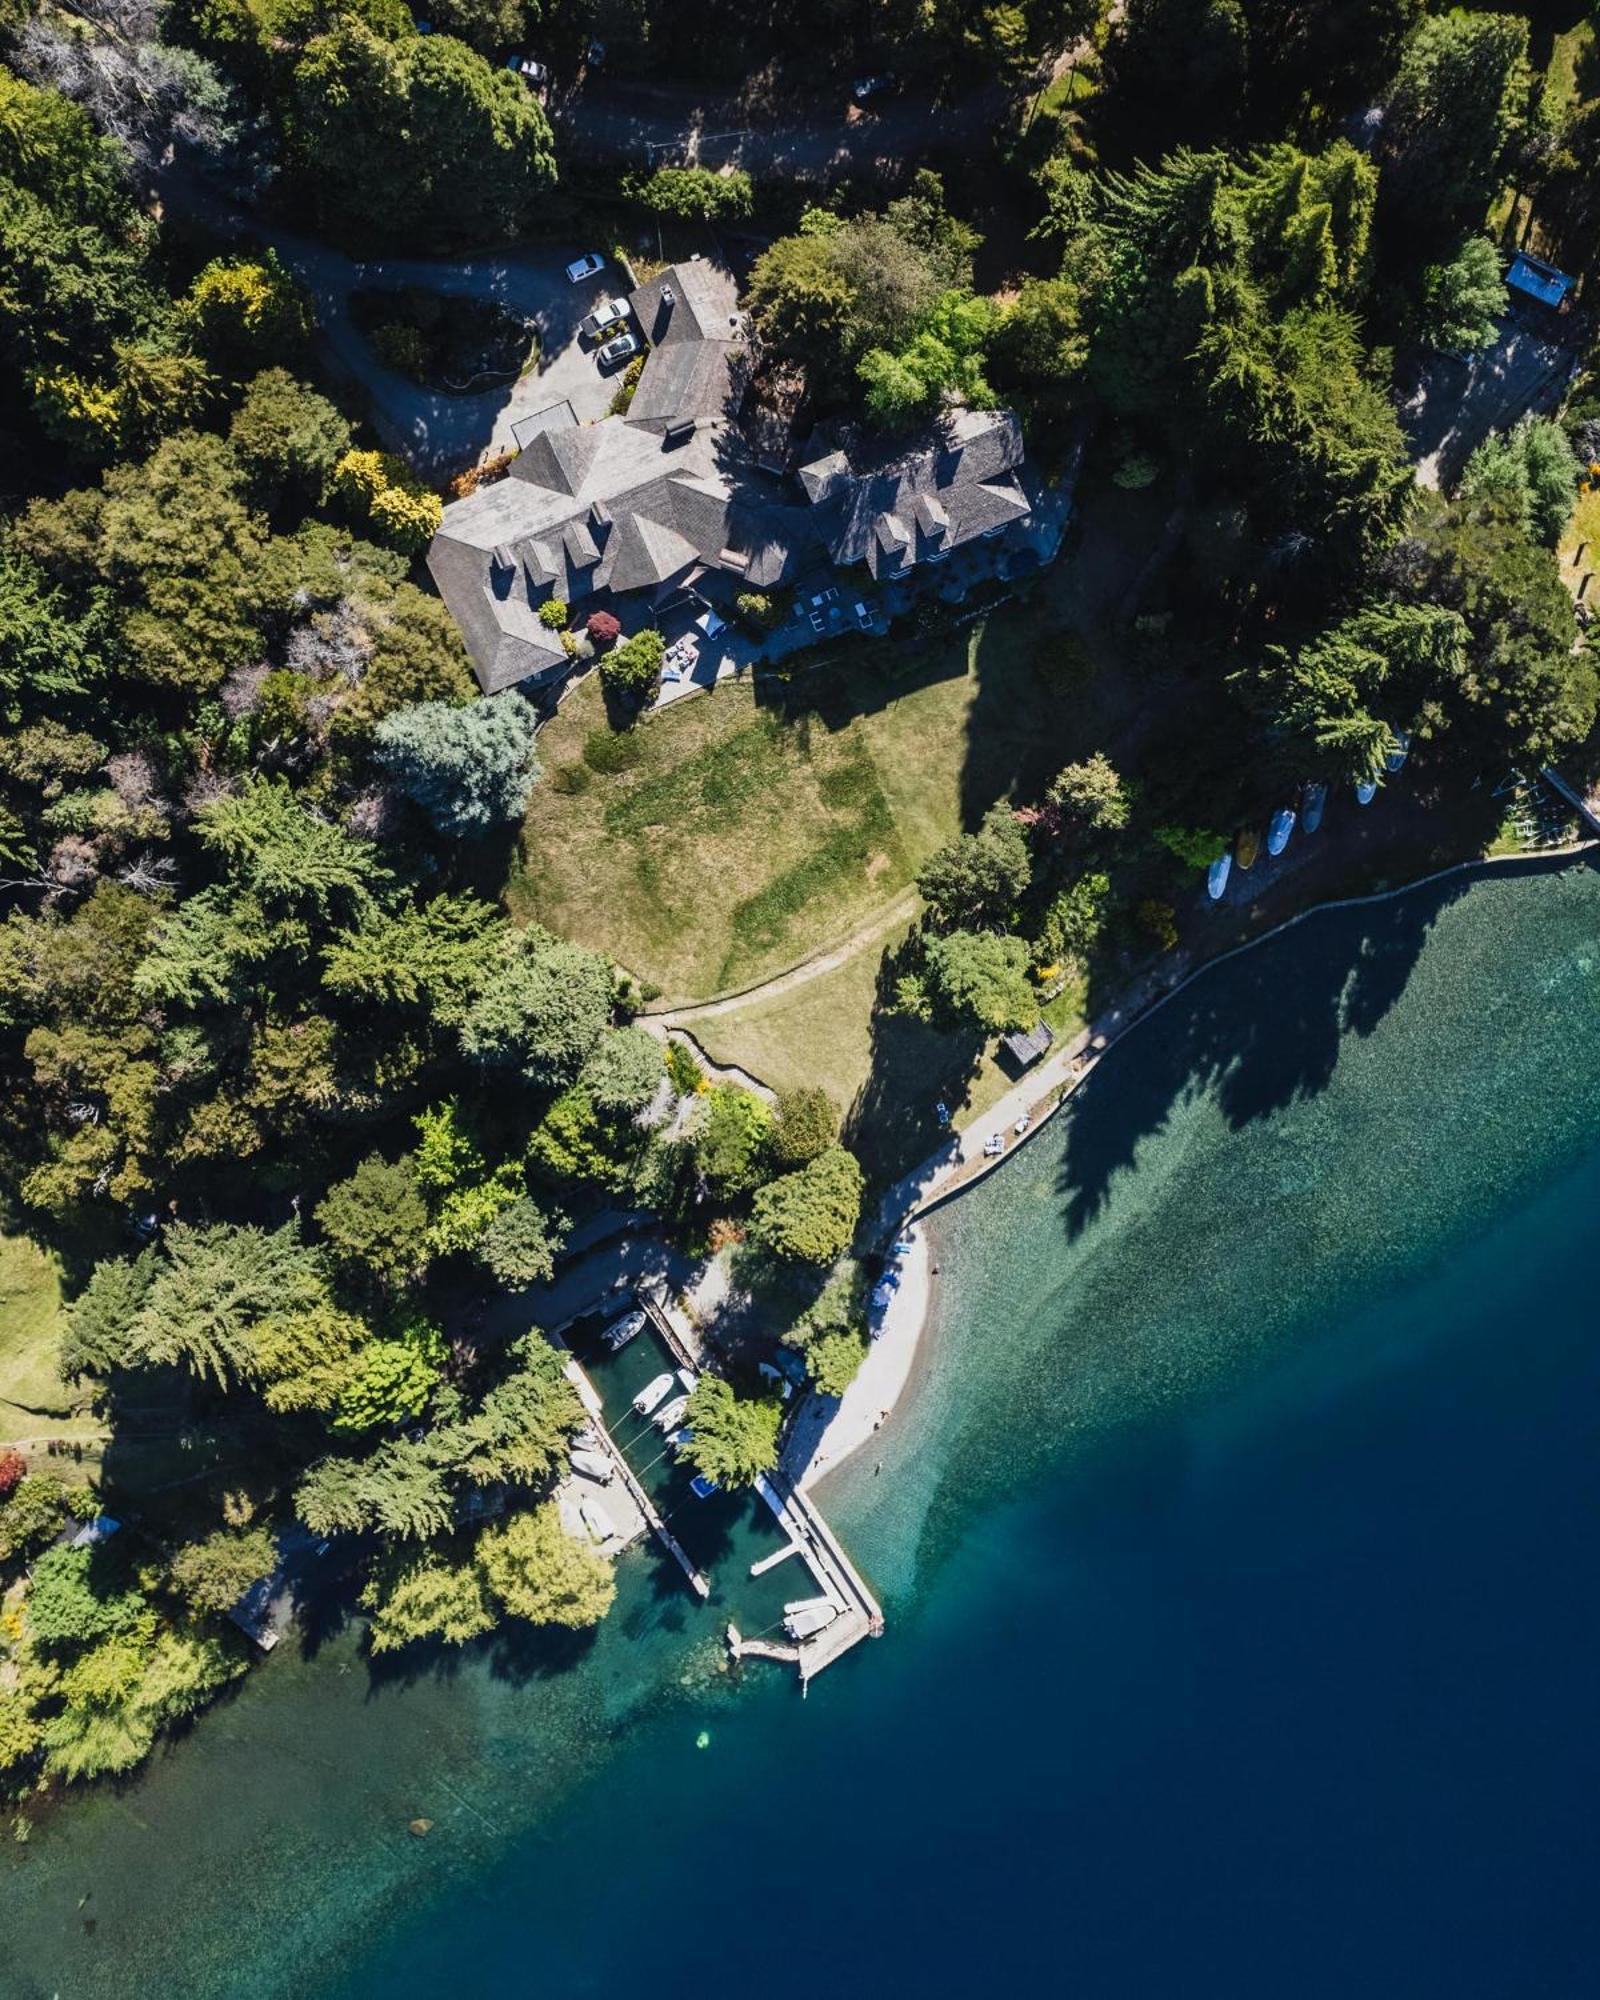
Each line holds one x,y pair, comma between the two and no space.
665,125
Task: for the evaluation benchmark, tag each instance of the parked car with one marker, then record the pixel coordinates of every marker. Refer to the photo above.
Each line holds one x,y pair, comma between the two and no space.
535,73
871,86
607,313
616,351
589,265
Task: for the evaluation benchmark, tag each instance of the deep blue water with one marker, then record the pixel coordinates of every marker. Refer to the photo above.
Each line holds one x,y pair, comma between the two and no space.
1238,1549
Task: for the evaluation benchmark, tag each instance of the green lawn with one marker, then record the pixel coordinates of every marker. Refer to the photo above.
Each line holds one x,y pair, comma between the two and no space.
1569,76
755,824
33,1400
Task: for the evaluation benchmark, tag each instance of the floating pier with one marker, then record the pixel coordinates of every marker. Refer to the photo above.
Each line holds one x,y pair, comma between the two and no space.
777,1556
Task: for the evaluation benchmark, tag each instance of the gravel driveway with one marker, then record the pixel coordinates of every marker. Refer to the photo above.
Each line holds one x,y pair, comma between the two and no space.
444,434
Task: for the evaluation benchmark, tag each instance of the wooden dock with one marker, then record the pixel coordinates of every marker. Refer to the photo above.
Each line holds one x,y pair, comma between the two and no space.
589,1396
1580,806
860,1615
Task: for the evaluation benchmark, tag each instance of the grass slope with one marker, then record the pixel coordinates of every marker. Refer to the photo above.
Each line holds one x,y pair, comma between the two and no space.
33,1400
732,835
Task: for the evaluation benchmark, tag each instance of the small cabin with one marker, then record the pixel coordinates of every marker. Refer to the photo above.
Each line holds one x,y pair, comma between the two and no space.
1026,1049
1536,279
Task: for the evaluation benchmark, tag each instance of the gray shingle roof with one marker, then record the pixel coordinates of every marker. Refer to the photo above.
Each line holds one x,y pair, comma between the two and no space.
641,503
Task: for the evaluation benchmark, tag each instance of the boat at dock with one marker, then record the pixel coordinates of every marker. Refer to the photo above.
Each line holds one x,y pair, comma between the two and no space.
1247,847
1366,791
809,1615
669,1418
621,1331
1401,751
654,1393
1217,876
1279,829
689,1379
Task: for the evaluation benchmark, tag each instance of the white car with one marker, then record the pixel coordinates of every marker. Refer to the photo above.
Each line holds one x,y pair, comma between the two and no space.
618,350
607,313
534,74
589,265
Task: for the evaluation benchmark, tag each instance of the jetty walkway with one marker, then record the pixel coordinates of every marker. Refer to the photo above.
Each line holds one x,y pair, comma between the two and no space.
810,1537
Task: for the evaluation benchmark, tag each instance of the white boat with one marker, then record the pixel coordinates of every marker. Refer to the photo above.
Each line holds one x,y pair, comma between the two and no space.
1401,751
1217,875
808,1617
1366,791
1311,805
595,1519
669,1418
689,1379
594,1465
681,1440
621,1331
1279,829
651,1395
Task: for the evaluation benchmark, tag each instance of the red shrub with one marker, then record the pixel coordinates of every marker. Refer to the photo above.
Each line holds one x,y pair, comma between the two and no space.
12,1466
603,630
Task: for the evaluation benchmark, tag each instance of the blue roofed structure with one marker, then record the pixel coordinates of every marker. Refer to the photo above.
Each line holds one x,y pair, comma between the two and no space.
1539,280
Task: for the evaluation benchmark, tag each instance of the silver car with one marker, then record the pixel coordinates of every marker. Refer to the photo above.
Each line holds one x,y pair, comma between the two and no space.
607,314
617,351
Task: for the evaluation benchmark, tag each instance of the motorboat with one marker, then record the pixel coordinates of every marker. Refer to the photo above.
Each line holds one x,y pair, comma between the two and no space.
1312,802
1366,791
673,1414
689,1379
1401,751
621,1331
1247,847
1279,829
1217,876
808,1616
594,1465
681,1440
651,1396
703,1488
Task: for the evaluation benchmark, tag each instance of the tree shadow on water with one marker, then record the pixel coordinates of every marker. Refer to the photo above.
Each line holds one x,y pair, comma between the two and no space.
1259,1031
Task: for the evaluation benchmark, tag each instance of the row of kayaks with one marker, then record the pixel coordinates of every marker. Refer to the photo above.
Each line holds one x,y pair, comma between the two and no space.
1280,828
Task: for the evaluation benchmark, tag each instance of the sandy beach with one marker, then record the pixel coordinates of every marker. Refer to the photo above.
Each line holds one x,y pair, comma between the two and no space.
826,1432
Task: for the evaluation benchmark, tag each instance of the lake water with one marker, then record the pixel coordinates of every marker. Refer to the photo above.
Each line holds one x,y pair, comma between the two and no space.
1237,1547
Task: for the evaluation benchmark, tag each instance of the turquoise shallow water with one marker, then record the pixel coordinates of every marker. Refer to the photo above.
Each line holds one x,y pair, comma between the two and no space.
1237,1548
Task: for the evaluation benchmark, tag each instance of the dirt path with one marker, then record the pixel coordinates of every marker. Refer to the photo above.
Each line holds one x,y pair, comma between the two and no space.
900,911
